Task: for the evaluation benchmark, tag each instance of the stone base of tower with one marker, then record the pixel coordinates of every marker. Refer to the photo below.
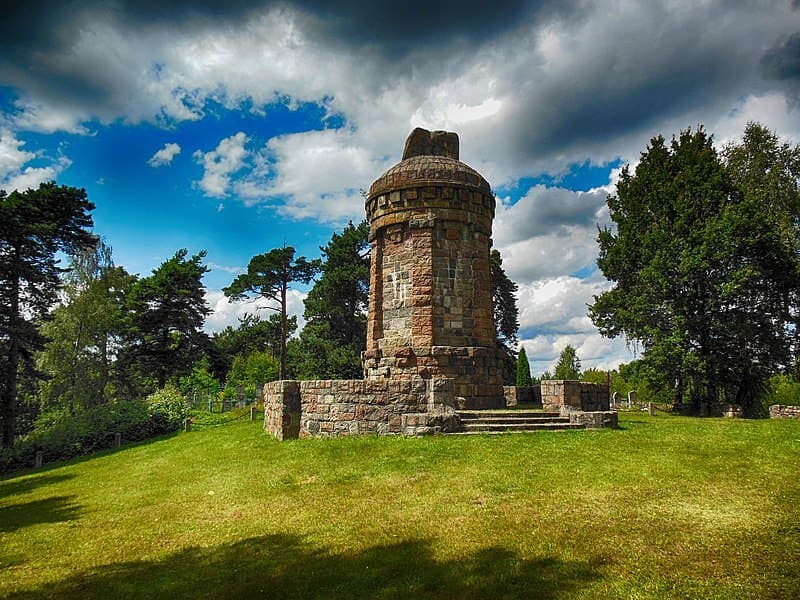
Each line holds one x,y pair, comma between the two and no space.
476,372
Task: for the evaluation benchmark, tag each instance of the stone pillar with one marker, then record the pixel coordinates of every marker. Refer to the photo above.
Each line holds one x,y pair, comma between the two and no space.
282,409
430,309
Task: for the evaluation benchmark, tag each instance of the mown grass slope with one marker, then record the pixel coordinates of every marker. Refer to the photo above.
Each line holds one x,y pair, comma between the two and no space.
666,507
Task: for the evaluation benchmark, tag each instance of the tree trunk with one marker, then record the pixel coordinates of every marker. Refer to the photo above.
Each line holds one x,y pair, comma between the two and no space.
282,371
8,397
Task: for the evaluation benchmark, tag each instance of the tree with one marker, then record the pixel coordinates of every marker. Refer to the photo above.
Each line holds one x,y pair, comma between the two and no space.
336,309
506,315
703,278
165,315
767,172
34,226
252,334
84,332
268,276
523,369
568,365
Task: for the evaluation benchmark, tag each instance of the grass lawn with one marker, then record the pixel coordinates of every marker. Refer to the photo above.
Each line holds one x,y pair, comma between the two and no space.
666,507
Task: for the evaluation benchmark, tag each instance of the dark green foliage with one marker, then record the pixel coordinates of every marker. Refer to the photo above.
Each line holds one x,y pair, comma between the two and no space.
253,334
165,314
704,279
336,310
523,369
34,226
568,366
251,370
83,333
506,315
268,276
61,436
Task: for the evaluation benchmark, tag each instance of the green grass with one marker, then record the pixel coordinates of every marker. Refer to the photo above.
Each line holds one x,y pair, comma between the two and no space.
666,507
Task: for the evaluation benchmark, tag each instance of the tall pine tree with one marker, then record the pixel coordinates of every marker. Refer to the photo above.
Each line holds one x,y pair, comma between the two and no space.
34,226
165,315
269,276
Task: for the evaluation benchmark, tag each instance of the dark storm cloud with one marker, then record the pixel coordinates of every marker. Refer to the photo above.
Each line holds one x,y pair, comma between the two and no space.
782,61
395,28
662,68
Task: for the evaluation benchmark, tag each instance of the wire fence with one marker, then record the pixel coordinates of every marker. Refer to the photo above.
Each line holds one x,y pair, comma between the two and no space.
223,400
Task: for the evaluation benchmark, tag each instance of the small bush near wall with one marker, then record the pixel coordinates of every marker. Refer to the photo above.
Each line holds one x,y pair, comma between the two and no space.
783,390
60,436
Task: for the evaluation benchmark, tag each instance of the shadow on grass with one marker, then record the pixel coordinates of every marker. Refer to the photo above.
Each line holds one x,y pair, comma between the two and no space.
282,566
23,485
49,510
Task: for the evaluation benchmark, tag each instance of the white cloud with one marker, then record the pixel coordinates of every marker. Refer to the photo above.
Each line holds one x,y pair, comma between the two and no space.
225,313
221,163
14,175
165,155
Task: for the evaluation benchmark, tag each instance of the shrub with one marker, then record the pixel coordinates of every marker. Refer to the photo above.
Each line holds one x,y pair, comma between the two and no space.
61,436
167,408
781,389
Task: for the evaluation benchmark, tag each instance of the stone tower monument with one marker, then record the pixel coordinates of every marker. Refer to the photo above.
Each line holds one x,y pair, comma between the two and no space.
430,306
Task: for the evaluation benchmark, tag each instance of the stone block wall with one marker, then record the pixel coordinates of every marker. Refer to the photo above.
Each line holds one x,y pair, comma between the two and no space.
525,395
781,411
574,395
430,305
336,408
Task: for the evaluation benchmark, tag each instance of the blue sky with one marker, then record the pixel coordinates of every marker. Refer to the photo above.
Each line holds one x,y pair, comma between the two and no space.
241,128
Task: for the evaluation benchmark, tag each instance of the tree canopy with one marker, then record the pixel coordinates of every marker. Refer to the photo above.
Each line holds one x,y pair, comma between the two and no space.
336,309
165,315
568,365
505,313
269,276
523,369
704,271
34,226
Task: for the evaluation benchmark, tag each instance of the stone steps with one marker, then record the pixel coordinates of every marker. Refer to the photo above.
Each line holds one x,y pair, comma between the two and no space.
510,420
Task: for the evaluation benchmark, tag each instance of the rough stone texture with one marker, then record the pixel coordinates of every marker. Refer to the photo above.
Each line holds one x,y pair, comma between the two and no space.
526,395
430,307
282,409
422,142
574,395
593,419
781,411
336,408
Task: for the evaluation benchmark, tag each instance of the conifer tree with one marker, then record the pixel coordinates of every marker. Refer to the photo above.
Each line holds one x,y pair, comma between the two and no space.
523,369
34,226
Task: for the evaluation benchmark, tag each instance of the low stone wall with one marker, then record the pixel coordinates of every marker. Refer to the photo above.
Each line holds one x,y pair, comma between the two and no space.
335,408
781,411
593,419
574,395
526,395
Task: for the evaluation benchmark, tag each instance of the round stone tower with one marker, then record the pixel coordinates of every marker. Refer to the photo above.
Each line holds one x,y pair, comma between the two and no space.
430,305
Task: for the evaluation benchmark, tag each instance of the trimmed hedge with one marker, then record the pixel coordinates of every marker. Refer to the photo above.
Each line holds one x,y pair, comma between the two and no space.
60,436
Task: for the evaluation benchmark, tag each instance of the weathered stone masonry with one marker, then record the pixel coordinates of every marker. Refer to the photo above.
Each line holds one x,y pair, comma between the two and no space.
430,310
430,331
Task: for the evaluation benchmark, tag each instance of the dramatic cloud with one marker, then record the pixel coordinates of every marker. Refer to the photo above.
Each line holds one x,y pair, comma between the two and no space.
532,88
164,156
14,175
219,164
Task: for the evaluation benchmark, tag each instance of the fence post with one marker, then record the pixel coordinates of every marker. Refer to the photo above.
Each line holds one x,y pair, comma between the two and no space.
187,425
651,409
252,413
39,458
117,440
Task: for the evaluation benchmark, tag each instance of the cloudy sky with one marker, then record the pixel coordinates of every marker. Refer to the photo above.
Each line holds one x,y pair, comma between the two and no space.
237,129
